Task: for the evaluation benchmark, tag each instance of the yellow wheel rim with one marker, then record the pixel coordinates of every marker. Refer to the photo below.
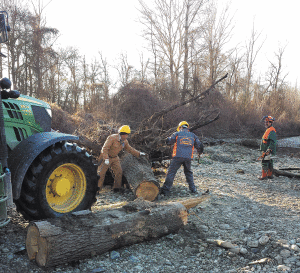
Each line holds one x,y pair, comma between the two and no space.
65,188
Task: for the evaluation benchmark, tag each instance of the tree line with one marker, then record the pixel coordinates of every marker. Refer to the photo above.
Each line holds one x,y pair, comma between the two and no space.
188,41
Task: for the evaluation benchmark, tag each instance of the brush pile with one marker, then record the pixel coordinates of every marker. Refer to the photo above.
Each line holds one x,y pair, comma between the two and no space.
150,133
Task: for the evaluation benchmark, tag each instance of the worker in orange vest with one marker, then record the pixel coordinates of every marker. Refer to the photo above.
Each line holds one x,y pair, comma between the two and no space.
268,148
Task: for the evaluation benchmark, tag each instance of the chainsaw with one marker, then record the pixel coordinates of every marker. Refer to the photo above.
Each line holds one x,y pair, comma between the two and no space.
265,155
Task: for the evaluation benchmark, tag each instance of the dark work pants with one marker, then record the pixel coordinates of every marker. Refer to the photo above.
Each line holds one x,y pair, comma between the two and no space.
267,165
174,166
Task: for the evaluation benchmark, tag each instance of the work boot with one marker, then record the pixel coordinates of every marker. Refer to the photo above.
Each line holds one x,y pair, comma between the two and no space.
120,190
165,193
270,174
263,175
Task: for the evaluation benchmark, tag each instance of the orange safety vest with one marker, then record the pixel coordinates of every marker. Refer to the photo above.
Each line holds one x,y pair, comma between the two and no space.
266,134
182,142
175,148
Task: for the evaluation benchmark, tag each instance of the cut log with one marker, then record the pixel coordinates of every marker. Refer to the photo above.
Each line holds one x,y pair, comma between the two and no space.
289,169
70,238
140,177
284,173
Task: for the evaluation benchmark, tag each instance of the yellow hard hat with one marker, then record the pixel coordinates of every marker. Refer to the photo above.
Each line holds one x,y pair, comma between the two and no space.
181,124
124,129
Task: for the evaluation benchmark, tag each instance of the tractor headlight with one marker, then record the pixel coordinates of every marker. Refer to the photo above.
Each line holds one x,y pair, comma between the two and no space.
49,111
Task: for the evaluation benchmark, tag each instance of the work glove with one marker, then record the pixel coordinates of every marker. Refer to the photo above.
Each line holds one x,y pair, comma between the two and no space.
142,154
106,161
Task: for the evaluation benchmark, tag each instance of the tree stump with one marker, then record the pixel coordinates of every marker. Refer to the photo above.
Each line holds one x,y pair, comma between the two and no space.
140,177
70,238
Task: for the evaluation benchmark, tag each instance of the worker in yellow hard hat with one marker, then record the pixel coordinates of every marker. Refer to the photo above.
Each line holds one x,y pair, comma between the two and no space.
182,123
109,157
184,143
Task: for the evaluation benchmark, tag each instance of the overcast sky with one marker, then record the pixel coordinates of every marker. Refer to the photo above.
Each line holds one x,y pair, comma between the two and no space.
111,26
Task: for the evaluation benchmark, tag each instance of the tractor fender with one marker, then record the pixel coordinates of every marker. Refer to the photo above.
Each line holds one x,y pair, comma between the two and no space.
26,151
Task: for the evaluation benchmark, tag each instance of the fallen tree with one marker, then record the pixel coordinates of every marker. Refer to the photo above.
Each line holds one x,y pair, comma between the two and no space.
150,135
70,238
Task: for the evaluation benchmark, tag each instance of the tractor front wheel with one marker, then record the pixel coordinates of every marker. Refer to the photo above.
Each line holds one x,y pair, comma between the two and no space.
61,180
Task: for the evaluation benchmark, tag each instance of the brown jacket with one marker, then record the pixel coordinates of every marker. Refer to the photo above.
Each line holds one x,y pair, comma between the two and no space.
113,146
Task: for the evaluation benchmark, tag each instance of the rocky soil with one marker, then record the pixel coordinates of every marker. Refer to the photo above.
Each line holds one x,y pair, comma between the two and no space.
247,225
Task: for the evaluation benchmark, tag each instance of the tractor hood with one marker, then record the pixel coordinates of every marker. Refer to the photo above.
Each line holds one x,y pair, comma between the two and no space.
32,100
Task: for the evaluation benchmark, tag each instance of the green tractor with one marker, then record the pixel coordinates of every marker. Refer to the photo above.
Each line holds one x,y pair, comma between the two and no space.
50,174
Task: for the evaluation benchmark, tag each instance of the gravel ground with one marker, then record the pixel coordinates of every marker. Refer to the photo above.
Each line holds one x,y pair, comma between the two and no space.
247,225
289,142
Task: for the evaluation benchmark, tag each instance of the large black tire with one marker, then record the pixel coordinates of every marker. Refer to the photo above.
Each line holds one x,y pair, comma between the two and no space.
61,180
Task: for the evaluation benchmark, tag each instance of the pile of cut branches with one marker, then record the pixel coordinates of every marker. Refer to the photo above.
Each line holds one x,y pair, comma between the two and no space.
150,138
150,135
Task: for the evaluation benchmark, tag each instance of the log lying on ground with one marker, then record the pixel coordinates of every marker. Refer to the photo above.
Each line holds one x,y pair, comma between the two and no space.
84,234
285,173
140,177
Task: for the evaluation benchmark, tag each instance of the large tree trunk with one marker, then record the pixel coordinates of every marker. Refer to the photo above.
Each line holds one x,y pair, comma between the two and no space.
70,238
140,177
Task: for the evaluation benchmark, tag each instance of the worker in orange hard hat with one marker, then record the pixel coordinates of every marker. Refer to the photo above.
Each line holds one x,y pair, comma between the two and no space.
268,148
109,157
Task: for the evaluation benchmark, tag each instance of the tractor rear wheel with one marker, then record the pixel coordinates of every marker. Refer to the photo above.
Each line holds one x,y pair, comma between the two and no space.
61,180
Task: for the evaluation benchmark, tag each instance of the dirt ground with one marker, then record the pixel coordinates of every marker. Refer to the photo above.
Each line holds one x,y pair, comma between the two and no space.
247,225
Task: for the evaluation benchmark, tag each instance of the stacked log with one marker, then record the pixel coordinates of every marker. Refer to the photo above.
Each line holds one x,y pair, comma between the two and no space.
85,234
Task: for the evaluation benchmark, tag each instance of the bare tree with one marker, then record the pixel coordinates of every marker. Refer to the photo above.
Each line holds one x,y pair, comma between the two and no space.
253,46
72,60
162,29
191,15
106,80
217,32
252,50
276,82
274,75
170,27
41,45
235,80
125,70
18,17
144,68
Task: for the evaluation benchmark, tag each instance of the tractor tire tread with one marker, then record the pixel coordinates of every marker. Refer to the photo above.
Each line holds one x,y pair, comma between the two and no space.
29,204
